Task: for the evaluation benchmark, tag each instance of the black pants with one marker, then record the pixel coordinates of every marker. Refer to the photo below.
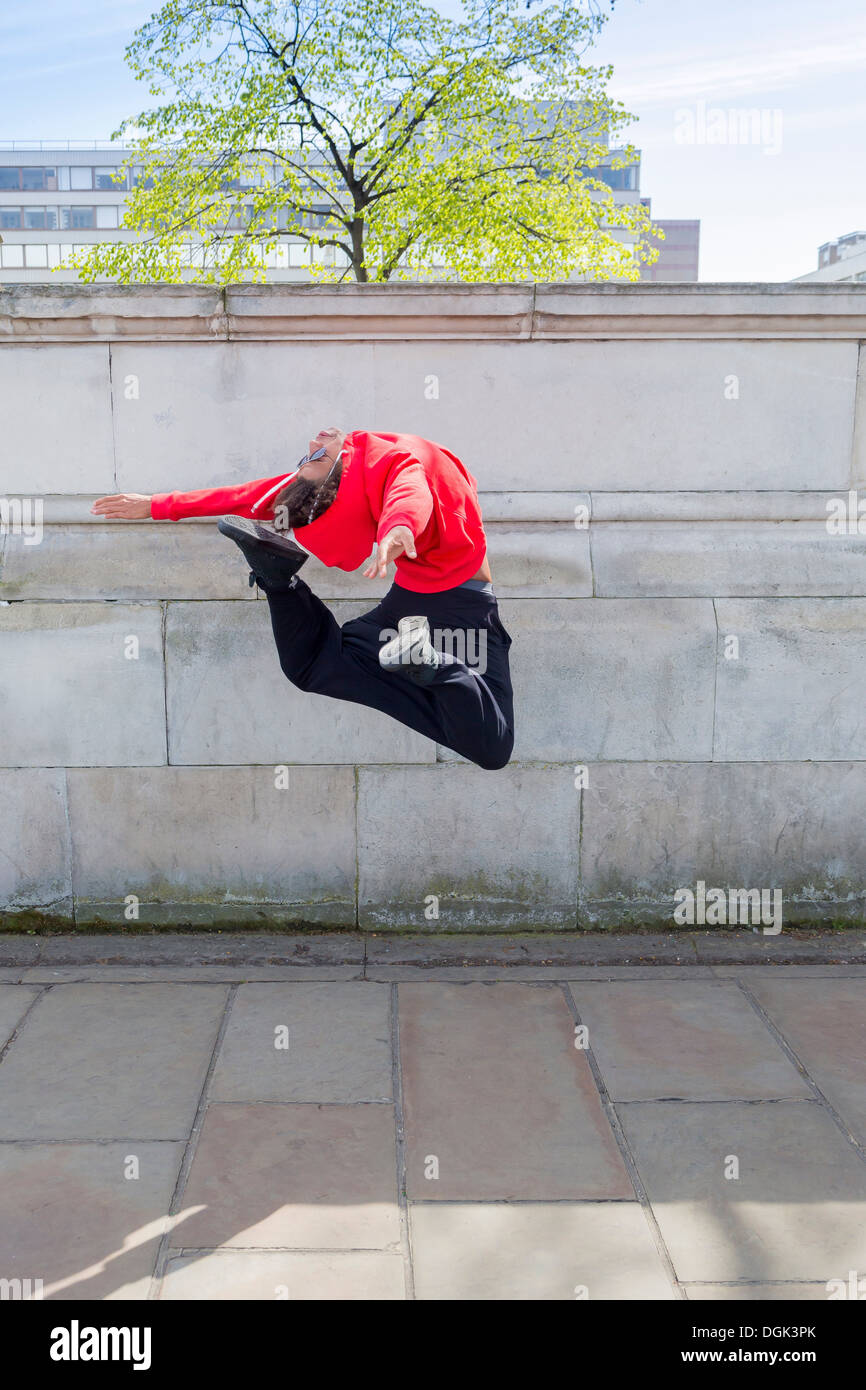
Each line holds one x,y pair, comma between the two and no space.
469,704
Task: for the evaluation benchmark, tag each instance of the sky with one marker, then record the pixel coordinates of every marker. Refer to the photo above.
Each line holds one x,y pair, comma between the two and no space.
681,67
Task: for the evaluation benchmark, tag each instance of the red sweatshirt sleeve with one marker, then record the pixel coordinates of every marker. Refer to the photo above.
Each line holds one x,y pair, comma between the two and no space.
239,500
406,498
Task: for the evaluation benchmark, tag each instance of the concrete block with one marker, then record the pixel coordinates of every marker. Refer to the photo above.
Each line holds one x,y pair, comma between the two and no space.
35,857
740,559
336,1044
540,561
110,1061
796,689
540,1250
56,419
229,702
483,850
795,1211
127,562
650,829
595,413
213,414
70,693
317,1177
71,1215
611,678
223,840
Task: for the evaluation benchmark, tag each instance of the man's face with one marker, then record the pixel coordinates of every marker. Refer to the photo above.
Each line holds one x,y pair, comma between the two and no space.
331,440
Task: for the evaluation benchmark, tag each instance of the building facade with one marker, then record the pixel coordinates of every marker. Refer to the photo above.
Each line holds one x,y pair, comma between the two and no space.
59,197
843,259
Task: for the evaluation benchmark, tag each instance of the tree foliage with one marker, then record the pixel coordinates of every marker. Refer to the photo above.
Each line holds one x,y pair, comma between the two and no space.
395,135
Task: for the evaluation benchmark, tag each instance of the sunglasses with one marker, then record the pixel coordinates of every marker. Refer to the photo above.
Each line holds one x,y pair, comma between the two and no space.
311,458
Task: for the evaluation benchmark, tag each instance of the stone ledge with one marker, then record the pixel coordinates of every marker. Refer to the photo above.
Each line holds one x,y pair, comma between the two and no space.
73,509
514,311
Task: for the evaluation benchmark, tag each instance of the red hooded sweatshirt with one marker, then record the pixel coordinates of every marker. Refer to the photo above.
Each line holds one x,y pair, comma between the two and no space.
387,480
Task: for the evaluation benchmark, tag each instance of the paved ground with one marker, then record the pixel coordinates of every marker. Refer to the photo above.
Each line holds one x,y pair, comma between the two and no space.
516,1118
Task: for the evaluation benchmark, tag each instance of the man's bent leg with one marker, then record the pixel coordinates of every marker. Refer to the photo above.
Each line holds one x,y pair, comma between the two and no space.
470,712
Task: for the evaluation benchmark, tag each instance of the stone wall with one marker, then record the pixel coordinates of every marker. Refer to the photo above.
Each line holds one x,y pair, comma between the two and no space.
689,667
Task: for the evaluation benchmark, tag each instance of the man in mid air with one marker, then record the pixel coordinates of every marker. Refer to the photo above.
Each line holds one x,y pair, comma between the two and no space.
389,497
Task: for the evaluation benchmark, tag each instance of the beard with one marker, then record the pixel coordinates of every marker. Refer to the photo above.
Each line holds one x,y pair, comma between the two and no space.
304,500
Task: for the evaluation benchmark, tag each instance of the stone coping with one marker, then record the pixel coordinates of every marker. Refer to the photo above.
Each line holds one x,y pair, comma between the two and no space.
406,311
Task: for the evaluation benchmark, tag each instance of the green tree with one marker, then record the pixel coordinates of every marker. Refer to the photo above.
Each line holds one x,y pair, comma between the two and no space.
392,132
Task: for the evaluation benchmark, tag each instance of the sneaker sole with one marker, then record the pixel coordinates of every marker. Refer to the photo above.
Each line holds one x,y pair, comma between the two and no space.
239,529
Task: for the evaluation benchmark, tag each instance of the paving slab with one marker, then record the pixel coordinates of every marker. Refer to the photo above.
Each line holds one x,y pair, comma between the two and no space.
825,1024
86,1219
341,1275
797,1210
294,1176
306,1042
497,1094
842,971
108,1061
696,1040
754,1293
15,1000
538,1250
544,974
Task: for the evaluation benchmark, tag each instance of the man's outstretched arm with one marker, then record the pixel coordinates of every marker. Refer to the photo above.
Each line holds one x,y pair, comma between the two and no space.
175,506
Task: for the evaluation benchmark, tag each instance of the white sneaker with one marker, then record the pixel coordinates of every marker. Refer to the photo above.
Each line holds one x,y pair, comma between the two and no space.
411,653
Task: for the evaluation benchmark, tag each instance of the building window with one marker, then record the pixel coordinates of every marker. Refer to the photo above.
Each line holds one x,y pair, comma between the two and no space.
39,178
10,218
137,177
36,256
80,177
13,257
107,216
10,178
77,217
105,177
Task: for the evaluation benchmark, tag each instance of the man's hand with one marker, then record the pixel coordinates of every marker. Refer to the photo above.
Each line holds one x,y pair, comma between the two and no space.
129,506
396,542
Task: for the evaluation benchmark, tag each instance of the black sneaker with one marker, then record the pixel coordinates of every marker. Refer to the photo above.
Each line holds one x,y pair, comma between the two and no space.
273,559
411,653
